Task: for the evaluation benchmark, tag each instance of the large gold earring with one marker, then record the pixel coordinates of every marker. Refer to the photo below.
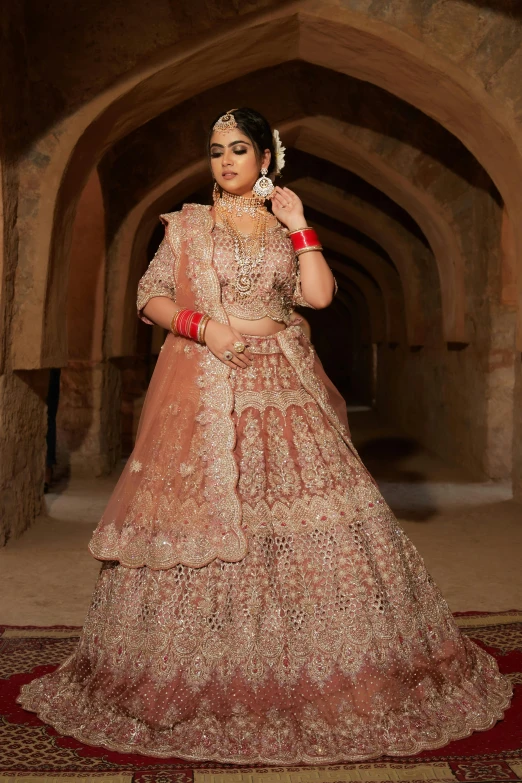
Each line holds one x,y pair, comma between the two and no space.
264,186
216,192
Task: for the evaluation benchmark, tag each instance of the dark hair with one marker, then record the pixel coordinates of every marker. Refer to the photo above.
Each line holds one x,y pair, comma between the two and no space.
257,128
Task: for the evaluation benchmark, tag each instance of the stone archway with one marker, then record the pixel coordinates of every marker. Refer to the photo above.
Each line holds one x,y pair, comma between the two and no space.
88,413
54,170
323,34
329,138
371,293
163,198
387,280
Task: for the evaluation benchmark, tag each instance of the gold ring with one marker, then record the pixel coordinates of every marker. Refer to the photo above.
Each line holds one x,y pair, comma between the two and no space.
239,347
228,356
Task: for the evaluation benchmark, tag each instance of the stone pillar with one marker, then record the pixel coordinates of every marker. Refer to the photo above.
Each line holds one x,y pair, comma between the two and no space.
88,422
499,369
360,387
517,431
23,425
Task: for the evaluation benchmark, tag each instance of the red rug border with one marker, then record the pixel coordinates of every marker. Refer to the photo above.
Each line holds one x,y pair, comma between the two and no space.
164,765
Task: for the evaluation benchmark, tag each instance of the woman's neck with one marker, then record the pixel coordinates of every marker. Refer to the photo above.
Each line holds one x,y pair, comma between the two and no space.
240,205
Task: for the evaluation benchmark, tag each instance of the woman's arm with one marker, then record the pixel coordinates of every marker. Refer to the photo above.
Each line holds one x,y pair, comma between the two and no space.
156,303
160,310
317,280
317,283
158,283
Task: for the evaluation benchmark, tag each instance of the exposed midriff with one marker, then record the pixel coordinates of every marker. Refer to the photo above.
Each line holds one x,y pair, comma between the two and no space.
261,326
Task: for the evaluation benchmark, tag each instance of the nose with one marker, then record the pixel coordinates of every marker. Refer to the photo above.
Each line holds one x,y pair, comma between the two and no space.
226,160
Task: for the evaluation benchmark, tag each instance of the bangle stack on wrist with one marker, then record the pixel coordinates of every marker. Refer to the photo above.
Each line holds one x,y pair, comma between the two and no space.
190,323
304,240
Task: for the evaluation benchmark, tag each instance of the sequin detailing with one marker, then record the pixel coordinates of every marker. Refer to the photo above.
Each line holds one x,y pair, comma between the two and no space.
327,642
267,607
160,277
275,287
183,507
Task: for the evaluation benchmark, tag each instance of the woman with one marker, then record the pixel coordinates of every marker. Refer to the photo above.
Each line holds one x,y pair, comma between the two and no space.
258,601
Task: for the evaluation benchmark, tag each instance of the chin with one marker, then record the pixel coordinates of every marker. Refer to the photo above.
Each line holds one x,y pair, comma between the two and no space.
237,189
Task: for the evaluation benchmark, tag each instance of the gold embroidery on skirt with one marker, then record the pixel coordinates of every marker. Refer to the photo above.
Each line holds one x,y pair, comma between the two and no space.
327,642
261,400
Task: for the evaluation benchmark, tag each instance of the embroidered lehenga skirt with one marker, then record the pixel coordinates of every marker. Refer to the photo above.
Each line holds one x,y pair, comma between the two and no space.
328,641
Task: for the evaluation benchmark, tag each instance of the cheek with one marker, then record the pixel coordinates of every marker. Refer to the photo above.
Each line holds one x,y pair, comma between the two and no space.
250,166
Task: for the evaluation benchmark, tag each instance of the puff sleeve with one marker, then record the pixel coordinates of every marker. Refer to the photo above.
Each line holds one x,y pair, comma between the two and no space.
159,279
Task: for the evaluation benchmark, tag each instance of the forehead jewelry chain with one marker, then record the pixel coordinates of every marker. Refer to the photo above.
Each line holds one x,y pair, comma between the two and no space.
226,122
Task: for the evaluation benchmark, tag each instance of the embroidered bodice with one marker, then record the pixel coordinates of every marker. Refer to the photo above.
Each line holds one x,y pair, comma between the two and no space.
274,281
276,288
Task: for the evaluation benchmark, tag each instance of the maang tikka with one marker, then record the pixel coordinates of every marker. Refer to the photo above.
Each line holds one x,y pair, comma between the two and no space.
226,122
264,187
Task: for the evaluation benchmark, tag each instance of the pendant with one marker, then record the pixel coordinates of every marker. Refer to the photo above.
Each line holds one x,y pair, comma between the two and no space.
243,283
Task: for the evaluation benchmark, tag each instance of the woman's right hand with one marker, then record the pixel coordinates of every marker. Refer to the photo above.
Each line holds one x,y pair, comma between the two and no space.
220,338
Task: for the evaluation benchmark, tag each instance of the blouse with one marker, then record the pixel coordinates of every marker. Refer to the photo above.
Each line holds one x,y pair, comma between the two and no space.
275,288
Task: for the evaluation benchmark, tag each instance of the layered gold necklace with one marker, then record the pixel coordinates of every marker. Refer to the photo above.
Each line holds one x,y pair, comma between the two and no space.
249,249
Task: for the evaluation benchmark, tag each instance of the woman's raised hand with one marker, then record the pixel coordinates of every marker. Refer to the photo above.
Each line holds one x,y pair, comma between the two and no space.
220,338
288,208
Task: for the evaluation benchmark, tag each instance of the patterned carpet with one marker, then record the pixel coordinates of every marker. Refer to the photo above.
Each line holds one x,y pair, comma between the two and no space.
34,753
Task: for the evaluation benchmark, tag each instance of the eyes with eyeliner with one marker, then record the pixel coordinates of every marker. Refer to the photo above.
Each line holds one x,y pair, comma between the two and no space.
237,151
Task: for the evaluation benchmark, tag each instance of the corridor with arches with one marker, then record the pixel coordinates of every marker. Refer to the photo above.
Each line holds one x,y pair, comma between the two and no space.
404,143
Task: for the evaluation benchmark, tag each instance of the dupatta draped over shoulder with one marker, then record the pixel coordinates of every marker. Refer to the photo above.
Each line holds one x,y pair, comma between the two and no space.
176,501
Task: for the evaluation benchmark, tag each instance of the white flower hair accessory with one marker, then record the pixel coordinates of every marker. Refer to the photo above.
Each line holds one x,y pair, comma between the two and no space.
279,152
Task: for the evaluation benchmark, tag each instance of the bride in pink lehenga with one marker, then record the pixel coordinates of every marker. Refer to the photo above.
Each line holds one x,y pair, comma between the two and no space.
258,601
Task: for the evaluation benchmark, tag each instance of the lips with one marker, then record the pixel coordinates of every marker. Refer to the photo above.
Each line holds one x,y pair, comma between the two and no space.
228,175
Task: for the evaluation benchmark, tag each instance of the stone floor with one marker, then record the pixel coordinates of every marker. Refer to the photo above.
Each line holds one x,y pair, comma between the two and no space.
469,533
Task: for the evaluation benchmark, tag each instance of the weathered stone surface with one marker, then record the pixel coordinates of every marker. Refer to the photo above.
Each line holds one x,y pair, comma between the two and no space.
23,427
517,432
407,133
88,423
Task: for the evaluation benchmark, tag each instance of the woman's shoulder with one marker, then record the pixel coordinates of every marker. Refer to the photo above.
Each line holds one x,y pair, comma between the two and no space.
187,210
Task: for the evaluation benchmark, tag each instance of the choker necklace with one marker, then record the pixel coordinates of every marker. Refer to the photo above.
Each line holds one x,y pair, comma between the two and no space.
239,205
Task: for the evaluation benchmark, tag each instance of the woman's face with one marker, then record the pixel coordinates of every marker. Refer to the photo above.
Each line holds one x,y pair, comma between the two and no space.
234,163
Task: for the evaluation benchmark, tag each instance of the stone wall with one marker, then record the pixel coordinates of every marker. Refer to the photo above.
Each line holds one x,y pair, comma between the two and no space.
458,399
23,427
88,422
23,420
416,154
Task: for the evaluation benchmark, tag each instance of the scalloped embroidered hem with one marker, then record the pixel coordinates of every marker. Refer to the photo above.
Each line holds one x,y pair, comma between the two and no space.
32,695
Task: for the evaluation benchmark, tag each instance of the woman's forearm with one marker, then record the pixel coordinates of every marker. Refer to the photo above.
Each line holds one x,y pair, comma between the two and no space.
317,281
161,310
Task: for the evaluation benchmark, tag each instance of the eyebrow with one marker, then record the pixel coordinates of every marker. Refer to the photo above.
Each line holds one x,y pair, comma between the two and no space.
239,141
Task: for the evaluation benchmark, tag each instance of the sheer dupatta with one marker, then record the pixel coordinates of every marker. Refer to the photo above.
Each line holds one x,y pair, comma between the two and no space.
176,500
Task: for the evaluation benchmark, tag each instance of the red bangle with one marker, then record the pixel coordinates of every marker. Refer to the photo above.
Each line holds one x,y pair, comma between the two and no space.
186,323
305,239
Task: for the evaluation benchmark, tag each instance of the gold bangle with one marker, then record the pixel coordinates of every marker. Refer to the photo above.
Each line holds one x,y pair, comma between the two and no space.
307,249
199,329
172,323
202,328
296,230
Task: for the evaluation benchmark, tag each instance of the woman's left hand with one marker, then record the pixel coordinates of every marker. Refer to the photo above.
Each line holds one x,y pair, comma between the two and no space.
288,208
